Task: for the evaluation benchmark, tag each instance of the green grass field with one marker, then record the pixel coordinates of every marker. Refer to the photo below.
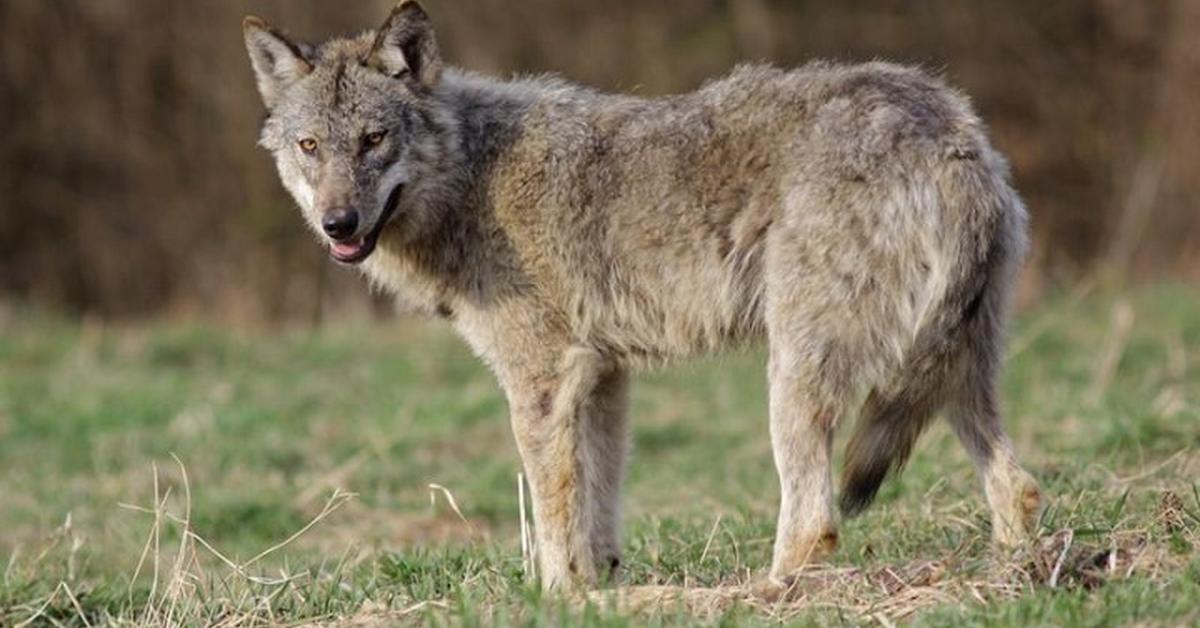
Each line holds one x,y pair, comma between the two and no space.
99,523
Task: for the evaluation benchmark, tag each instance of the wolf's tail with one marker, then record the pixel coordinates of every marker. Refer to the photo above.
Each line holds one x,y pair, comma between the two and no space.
964,321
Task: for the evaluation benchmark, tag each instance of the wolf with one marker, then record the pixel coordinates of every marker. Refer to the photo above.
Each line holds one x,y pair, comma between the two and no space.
855,218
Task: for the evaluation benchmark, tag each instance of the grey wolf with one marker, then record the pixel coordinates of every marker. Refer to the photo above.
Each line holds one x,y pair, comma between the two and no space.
854,217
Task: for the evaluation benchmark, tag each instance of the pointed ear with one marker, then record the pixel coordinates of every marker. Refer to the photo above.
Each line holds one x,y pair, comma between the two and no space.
405,44
277,62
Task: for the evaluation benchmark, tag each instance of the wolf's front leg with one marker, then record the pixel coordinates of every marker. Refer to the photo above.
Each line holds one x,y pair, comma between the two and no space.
606,439
551,423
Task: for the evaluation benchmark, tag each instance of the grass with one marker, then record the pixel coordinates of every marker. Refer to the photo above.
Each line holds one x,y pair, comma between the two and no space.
160,474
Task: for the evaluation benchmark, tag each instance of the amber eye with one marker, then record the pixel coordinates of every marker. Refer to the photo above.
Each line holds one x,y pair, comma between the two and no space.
374,138
308,145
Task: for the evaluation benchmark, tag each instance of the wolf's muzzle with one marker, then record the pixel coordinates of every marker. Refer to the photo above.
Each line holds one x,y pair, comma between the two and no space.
340,223
348,250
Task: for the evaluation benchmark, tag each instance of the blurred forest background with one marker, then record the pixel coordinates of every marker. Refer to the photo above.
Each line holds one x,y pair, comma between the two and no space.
133,186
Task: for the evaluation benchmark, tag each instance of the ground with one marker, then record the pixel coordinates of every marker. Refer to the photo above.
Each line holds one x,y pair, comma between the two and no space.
365,473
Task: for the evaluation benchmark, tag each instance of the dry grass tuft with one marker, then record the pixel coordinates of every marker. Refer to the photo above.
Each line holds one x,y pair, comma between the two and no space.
183,590
898,592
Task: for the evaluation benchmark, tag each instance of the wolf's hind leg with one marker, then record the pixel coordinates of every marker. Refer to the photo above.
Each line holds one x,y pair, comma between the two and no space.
1012,494
802,423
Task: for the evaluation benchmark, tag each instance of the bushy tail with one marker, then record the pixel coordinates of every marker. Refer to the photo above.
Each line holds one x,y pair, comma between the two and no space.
893,416
883,438
890,422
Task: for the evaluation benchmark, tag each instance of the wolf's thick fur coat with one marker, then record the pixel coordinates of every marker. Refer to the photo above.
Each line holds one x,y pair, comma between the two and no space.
854,217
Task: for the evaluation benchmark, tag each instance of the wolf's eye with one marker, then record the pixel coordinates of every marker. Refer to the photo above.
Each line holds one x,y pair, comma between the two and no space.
374,138
308,145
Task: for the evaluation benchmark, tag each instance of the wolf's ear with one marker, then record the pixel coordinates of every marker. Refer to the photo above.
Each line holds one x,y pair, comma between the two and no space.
277,62
405,44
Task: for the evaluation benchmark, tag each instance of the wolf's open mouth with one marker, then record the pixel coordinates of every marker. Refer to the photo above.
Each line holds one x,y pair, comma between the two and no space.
358,249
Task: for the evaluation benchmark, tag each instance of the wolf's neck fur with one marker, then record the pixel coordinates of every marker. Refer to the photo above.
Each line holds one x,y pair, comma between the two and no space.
458,257
489,114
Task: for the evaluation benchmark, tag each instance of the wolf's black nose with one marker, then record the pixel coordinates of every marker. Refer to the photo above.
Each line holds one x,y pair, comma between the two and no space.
340,224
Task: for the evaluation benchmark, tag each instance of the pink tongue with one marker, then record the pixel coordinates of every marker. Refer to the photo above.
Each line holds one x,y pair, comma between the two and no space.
346,249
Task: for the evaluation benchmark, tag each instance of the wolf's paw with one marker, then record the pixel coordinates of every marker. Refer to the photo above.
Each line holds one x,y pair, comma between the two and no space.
1017,523
608,567
794,555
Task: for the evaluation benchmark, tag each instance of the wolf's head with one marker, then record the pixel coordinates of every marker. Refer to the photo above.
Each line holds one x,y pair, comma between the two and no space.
354,127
